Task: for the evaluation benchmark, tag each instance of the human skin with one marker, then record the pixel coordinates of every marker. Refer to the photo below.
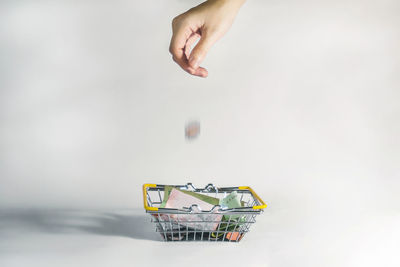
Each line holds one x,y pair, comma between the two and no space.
208,21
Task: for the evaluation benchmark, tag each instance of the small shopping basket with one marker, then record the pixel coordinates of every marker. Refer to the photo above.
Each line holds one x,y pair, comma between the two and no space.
191,223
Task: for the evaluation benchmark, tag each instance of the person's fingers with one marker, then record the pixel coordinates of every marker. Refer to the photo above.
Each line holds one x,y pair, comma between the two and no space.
192,39
179,40
184,64
180,37
200,51
199,71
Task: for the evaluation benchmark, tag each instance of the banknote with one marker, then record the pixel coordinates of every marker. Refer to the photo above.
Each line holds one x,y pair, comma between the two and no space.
178,199
231,201
167,191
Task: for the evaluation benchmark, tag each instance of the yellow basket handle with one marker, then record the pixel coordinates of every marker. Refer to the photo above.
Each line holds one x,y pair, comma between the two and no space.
146,207
259,207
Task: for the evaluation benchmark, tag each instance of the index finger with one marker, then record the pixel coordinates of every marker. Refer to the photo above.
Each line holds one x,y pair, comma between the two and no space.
180,38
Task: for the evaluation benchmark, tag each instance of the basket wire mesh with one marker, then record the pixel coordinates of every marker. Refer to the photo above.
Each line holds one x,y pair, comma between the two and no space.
193,224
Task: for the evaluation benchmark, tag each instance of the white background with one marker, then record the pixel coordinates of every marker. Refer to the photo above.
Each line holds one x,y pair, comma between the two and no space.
302,104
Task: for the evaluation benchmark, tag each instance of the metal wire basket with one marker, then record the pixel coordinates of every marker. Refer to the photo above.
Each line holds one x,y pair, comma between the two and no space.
193,224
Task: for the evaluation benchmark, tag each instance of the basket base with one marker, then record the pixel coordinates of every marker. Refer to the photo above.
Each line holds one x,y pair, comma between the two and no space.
203,236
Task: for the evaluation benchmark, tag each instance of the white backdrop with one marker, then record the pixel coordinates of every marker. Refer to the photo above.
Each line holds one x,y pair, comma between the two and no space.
302,104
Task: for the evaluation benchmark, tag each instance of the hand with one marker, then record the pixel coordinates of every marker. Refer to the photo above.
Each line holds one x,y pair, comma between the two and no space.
208,21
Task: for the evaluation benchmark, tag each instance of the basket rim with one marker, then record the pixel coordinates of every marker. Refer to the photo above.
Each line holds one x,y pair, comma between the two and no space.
209,188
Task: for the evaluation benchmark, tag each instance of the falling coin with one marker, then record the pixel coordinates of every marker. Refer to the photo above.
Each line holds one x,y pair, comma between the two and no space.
192,130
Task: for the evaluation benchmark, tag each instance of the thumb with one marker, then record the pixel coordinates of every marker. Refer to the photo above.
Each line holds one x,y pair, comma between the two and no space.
200,51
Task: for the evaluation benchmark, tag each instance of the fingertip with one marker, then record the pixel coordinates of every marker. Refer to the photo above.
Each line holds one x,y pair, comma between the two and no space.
204,74
201,72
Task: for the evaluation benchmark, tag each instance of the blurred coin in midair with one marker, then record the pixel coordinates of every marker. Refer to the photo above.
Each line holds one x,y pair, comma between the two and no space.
192,130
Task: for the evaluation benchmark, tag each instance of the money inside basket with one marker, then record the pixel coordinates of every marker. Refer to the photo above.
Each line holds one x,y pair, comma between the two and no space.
198,225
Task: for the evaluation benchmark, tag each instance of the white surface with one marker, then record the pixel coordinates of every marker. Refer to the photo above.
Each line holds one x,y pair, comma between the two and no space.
302,103
281,237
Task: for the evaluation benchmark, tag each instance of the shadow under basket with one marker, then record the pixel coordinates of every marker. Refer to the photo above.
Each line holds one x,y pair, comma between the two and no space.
193,224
